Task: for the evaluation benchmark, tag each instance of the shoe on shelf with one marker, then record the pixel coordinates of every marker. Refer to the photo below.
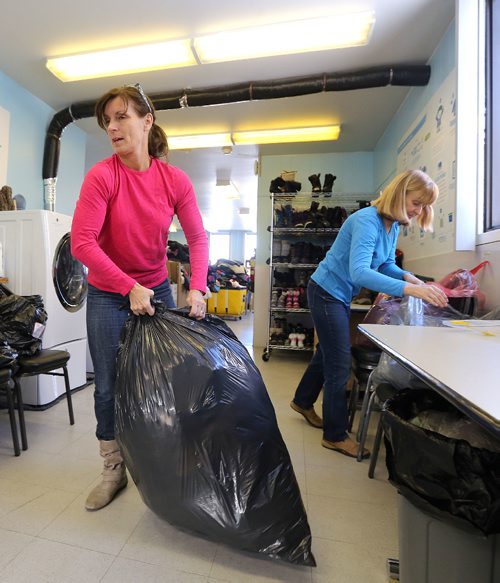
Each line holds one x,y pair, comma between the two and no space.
346,447
309,415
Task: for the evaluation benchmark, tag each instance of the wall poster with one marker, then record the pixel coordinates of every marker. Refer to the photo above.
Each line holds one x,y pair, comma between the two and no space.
430,145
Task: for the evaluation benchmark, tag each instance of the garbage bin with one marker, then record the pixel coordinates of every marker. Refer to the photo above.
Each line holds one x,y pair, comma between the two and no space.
449,510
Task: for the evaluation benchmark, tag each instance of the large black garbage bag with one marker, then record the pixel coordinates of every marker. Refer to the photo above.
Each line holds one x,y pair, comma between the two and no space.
22,321
199,436
446,477
7,354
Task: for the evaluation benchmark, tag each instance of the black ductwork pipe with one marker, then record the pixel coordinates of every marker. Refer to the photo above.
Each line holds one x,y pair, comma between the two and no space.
412,75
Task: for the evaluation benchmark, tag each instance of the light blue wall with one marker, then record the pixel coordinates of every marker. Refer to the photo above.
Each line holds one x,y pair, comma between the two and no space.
354,173
442,63
29,119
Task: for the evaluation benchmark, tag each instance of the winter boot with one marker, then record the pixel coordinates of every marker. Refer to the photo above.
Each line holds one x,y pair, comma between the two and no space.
285,252
315,182
328,185
276,250
282,299
114,476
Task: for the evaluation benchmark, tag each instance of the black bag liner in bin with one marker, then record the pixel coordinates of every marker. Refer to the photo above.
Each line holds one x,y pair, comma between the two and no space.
199,436
445,477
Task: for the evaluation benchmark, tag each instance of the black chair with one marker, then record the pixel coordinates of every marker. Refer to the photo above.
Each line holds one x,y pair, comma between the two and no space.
364,361
380,394
44,362
8,386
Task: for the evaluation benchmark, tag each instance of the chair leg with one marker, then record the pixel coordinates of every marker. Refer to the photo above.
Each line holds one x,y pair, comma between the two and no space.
353,399
12,417
68,396
364,405
20,411
364,428
376,449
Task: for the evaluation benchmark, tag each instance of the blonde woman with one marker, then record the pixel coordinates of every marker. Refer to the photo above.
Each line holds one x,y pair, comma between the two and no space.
363,255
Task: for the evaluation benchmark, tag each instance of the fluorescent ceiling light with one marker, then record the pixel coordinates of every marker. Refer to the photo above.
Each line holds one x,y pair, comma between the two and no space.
199,141
284,136
227,189
280,136
106,63
317,34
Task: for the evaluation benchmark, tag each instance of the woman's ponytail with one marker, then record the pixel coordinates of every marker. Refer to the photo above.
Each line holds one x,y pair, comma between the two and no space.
157,142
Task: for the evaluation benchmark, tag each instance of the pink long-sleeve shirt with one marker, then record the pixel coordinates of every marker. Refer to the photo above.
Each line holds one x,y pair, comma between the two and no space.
121,224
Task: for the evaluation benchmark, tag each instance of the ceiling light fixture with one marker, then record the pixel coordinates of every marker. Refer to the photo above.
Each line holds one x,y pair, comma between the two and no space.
199,141
121,61
289,135
276,136
316,34
284,38
227,189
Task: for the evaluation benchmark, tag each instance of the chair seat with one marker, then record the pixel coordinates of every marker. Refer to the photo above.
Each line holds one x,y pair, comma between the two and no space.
42,361
366,356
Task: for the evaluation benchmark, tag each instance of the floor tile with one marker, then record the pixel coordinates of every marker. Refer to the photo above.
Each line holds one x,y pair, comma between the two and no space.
370,525
128,571
34,515
348,563
12,544
48,562
106,531
157,542
234,565
46,535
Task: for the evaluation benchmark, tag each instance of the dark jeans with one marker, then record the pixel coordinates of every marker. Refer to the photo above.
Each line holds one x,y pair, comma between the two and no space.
330,366
105,321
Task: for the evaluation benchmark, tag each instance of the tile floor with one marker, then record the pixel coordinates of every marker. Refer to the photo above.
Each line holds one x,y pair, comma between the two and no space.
47,536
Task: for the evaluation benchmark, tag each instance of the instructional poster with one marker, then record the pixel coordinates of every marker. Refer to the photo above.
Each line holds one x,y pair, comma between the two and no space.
4,144
430,145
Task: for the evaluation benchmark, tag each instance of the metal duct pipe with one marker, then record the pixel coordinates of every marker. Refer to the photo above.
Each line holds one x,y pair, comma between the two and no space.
412,75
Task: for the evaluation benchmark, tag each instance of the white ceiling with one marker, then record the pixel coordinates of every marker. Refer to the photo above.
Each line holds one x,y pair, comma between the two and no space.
405,32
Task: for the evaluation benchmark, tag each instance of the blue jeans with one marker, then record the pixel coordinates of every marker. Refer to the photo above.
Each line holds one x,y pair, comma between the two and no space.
330,366
106,315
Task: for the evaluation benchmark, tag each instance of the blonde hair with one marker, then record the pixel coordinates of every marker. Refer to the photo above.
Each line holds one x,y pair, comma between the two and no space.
157,140
391,203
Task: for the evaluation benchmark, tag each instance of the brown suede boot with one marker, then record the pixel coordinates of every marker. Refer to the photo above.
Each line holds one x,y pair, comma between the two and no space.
114,477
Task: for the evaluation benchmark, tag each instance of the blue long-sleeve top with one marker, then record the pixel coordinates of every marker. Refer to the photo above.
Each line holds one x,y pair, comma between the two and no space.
362,255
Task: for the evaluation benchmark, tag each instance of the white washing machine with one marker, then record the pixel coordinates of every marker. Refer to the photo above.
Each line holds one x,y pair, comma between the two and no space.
37,260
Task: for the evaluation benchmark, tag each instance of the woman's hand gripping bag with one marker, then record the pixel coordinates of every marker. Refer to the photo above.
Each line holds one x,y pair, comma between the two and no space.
199,436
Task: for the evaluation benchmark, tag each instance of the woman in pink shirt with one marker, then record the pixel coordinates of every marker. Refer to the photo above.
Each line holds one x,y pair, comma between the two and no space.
120,231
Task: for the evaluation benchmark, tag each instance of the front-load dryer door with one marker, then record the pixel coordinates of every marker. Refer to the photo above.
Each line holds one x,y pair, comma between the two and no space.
70,277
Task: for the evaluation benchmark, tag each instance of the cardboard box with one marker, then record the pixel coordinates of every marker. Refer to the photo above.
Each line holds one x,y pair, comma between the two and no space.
178,289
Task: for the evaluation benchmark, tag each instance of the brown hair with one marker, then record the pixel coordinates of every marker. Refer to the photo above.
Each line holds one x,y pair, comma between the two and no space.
157,139
392,201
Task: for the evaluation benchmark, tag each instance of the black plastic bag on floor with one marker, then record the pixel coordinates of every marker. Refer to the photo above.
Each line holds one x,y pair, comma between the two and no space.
22,321
445,477
199,436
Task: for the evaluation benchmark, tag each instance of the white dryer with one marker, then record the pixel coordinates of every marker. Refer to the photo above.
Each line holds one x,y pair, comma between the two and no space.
38,260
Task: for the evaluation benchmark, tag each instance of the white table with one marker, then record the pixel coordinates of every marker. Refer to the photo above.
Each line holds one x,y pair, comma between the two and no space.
463,365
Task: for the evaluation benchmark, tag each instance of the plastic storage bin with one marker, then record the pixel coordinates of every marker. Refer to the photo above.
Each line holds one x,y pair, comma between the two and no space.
432,551
227,302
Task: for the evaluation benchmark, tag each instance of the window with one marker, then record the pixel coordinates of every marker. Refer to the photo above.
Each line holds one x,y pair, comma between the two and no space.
250,245
219,247
492,151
